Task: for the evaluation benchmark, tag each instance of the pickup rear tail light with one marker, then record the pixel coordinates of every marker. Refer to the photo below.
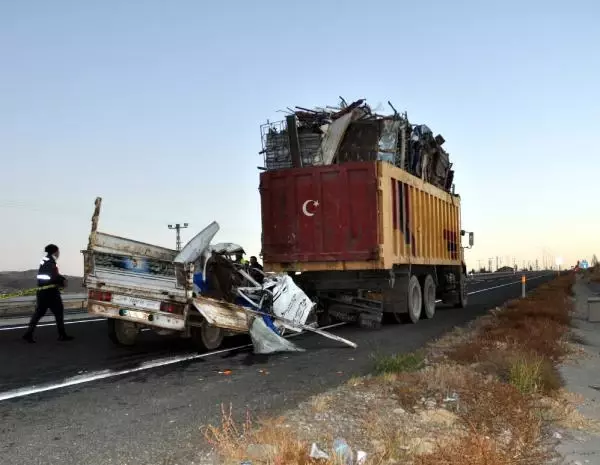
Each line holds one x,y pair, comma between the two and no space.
170,307
100,296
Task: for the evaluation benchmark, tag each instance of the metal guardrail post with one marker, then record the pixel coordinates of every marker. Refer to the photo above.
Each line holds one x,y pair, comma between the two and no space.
523,286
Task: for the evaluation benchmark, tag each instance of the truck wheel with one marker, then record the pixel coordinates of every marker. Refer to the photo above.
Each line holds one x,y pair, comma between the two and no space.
415,299
461,298
428,297
121,332
207,337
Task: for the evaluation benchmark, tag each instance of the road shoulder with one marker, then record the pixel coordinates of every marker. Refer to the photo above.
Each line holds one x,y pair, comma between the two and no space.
579,438
488,393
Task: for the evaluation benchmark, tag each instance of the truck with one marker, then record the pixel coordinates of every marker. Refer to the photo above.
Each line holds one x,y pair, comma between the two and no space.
136,285
361,210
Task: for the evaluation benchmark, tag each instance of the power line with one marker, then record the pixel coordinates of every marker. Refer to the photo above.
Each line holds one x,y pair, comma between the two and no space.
178,227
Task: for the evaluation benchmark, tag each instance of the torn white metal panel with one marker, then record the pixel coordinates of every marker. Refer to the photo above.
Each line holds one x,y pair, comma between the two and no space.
266,341
222,314
107,243
194,248
226,248
333,138
289,301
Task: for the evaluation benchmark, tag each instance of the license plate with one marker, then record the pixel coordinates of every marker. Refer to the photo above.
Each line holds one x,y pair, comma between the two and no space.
136,315
128,301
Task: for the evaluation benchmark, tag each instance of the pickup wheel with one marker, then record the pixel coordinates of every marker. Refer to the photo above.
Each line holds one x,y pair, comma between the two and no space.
121,332
207,337
428,297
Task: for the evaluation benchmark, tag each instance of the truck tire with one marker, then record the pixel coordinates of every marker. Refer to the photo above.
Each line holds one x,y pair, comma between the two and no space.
207,337
461,297
428,297
415,299
121,332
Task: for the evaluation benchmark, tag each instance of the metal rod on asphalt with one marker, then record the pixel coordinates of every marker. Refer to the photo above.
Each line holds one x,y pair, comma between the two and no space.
523,291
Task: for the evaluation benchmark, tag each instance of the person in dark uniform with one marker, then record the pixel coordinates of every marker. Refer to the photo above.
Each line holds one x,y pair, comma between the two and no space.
254,265
48,275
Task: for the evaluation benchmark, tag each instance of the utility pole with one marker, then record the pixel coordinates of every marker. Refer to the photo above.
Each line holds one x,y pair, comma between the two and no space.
178,227
490,264
497,263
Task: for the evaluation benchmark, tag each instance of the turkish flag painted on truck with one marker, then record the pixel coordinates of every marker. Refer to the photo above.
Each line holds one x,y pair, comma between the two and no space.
320,214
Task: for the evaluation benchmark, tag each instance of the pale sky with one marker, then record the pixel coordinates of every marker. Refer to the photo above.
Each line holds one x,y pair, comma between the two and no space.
156,107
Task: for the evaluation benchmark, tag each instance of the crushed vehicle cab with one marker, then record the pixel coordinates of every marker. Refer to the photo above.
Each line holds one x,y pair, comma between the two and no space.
200,292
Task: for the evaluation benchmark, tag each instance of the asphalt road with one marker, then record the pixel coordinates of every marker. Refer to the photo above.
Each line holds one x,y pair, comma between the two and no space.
89,402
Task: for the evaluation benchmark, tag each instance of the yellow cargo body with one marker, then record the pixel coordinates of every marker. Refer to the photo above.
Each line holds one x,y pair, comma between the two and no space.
418,222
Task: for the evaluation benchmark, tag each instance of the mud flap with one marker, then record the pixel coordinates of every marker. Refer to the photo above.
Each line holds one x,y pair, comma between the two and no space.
222,314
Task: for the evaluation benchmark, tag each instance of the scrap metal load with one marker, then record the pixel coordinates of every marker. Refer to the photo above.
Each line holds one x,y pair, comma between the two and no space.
325,136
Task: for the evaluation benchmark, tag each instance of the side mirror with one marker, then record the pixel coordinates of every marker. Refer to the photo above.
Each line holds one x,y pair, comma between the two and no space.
471,239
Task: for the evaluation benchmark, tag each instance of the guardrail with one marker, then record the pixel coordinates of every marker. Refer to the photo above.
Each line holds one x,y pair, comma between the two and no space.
31,299
21,309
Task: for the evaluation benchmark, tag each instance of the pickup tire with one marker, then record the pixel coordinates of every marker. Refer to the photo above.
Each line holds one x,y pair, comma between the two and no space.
121,332
207,337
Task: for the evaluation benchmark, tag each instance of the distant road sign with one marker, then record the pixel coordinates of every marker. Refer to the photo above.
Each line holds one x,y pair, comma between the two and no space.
584,264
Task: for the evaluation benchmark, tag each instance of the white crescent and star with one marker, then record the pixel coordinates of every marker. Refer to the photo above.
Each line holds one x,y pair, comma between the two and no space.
315,204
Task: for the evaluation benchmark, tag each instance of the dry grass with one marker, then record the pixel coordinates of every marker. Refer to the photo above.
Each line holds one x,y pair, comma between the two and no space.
474,449
532,374
321,403
483,397
536,325
269,442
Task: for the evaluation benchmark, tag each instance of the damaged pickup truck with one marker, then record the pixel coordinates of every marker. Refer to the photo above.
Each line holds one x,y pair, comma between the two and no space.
199,292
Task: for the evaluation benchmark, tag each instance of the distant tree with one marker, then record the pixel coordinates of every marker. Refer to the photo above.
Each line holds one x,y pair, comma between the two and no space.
594,261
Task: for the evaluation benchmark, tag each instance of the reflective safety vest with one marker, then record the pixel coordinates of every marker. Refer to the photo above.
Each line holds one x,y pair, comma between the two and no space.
48,273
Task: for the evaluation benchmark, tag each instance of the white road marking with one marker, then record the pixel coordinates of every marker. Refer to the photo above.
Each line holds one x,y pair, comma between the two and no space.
507,284
104,374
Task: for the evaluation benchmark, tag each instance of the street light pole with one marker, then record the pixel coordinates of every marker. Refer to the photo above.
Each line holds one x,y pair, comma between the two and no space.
178,227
